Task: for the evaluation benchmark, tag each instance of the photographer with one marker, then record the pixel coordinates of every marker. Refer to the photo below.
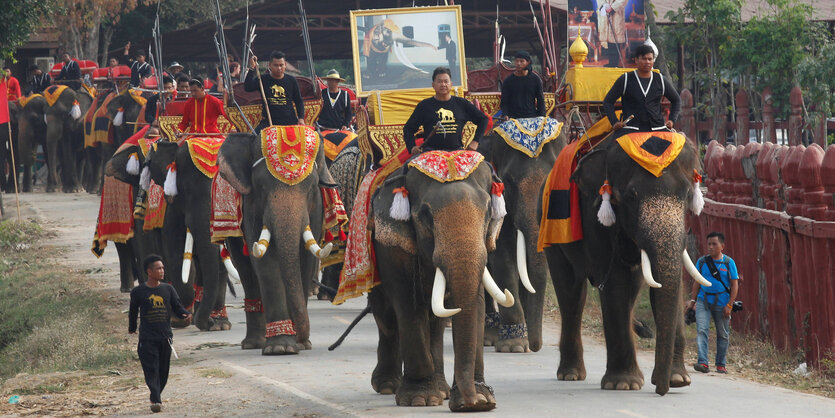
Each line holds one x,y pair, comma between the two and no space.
716,301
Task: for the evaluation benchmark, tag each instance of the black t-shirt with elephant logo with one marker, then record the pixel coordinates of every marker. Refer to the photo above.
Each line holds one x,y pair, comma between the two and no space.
154,306
447,119
284,99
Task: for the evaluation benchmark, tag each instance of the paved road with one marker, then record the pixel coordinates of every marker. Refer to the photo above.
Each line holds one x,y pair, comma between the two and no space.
338,383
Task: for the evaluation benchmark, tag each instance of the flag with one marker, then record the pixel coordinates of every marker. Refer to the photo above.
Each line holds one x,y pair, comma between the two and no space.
4,104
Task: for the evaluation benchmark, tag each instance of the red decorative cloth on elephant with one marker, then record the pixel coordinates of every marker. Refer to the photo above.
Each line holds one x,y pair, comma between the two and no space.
335,141
226,211
359,274
203,151
561,222
155,213
446,166
653,151
529,135
289,152
101,129
115,221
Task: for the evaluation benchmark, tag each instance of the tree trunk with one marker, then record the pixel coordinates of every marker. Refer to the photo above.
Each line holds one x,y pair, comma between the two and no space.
105,45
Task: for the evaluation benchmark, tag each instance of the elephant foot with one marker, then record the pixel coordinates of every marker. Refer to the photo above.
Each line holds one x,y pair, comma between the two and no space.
280,345
443,387
304,345
419,394
571,371
250,343
126,289
221,324
484,399
513,338
491,328
51,189
678,377
385,382
622,380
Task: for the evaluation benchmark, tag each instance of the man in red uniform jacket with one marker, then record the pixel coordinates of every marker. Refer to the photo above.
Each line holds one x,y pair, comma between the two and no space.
201,110
12,84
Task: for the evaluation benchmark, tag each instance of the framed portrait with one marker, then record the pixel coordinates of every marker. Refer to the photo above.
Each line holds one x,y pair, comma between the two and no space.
611,29
397,49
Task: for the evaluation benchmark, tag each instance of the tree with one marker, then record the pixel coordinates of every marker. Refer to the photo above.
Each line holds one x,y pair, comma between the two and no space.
21,19
81,24
706,28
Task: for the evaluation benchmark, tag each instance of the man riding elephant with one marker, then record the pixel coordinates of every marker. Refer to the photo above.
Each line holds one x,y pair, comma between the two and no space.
443,117
284,104
522,95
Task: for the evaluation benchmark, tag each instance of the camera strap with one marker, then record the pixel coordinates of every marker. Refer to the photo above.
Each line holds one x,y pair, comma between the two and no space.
714,271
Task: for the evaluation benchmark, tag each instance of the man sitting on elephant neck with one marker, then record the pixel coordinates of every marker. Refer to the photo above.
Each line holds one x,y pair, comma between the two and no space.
70,73
443,117
640,92
522,95
281,92
139,69
201,110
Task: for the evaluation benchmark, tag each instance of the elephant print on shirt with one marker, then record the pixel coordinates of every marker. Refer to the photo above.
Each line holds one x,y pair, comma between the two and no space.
157,301
445,116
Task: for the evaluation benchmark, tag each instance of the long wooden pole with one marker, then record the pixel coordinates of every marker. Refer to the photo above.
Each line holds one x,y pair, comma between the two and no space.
14,170
264,96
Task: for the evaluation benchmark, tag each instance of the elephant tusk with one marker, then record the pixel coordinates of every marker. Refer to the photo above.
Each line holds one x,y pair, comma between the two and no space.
646,270
692,270
438,291
187,256
505,299
259,248
522,261
401,56
311,245
227,263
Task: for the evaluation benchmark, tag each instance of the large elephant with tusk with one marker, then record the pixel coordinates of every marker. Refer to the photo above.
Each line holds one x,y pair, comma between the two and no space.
431,242
633,222
64,129
522,158
279,176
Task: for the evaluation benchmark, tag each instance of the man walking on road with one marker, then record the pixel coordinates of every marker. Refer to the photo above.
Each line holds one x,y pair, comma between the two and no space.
715,301
154,301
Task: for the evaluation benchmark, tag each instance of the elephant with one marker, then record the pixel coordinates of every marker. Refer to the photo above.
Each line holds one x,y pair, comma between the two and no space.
31,133
189,210
445,238
64,128
283,223
646,240
520,326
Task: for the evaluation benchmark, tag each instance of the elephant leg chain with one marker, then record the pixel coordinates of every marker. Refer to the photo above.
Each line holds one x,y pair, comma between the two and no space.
283,327
513,331
492,320
219,313
253,305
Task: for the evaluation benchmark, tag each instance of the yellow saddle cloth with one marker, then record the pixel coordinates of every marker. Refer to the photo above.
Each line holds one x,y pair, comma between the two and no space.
290,151
23,100
53,92
529,135
446,166
654,151
203,151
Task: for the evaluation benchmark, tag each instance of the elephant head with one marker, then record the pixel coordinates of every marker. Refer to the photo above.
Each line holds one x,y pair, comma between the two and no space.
122,109
31,130
439,246
64,127
646,231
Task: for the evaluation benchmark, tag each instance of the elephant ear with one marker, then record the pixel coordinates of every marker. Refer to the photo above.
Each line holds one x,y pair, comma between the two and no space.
235,160
159,158
117,165
387,230
590,173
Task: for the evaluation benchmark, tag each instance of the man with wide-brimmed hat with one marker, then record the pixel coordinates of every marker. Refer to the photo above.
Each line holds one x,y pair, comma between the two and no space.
175,69
336,104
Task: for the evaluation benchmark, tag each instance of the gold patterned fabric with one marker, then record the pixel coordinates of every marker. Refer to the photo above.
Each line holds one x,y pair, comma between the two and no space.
53,92
289,151
447,166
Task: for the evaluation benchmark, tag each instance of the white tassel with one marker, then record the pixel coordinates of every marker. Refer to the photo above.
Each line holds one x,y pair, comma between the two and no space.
259,248
120,117
133,165
75,112
230,268
400,209
187,255
497,202
698,202
145,178
606,214
170,185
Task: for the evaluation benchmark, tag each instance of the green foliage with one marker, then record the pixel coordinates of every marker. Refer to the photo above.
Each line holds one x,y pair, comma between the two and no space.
815,74
20,19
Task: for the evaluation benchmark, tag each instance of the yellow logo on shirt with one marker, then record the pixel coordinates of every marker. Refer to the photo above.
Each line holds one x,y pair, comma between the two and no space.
447,121
279,97
156,301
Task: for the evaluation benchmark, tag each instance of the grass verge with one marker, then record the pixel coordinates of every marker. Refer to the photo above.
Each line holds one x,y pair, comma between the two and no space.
748,356
52,318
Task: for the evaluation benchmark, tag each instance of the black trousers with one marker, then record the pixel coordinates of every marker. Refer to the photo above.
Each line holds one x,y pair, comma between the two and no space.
155,356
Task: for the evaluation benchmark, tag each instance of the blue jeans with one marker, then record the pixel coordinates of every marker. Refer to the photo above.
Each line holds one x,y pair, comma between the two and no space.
723,329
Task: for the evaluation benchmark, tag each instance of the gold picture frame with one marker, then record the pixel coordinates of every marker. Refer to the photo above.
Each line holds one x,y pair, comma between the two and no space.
402,34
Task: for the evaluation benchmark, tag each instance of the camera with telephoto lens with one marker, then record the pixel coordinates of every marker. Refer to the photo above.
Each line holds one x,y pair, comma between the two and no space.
689,316
737,306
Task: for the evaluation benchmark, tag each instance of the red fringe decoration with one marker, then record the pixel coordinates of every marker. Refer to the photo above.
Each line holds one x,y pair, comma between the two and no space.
219,313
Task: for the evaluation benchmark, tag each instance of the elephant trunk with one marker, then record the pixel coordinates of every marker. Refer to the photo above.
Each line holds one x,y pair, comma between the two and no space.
662,220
